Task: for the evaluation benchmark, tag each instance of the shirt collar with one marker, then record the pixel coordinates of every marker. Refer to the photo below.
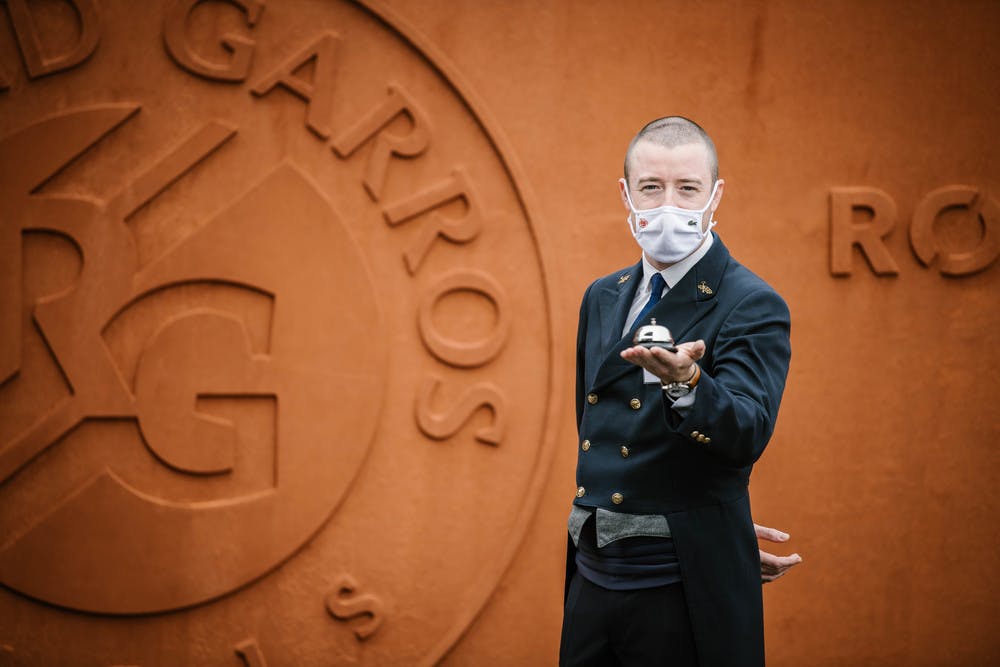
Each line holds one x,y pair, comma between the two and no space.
673,274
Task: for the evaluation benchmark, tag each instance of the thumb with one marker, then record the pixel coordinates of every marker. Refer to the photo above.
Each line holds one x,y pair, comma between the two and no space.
694,349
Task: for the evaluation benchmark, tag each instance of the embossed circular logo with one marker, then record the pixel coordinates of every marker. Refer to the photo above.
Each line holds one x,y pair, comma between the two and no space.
275,334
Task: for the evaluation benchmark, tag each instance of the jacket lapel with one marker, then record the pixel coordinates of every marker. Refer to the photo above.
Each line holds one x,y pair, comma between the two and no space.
616,301
685,304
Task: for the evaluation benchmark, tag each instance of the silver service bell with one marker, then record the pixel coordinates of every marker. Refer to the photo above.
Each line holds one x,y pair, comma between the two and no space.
654,335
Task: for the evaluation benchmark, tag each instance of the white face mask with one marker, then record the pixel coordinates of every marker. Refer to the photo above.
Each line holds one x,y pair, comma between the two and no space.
668,234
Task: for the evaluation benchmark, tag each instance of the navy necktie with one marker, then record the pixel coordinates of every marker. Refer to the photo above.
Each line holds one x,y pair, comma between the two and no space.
656,285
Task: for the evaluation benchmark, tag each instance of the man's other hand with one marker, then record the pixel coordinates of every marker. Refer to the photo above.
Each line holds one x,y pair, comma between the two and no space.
771,566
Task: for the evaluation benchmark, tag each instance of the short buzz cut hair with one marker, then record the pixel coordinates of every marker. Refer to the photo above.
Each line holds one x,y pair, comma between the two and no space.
671,131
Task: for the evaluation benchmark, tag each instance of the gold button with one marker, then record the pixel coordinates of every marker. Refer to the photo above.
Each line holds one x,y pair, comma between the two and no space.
580,491
701,438
695,434
592,398
586,445
624,452
635,403
707,440
617,498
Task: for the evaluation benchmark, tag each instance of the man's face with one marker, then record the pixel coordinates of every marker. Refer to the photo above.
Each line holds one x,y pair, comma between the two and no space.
678,176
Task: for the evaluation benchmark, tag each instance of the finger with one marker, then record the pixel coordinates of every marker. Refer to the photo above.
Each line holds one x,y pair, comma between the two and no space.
784,562
767,558
777,565
770,534
768,578
634,355
639,356
635,352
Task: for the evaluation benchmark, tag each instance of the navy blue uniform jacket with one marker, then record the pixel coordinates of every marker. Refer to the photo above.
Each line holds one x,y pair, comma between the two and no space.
694,470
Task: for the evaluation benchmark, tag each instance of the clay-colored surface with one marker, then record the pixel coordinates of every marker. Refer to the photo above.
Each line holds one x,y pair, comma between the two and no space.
288,297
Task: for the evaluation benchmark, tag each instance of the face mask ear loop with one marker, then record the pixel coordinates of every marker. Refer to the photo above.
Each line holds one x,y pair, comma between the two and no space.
711,197
627,197
711,221
631,206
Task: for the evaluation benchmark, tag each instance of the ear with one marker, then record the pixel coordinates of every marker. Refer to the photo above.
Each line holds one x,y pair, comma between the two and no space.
621,191
720,188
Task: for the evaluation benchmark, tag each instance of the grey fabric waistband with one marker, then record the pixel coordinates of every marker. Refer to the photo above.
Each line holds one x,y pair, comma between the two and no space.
613,526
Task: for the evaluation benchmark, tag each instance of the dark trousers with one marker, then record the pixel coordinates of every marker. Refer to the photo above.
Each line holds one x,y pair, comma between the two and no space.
648,627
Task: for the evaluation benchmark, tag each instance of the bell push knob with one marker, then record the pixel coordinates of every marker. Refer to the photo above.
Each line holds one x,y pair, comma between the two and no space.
654,335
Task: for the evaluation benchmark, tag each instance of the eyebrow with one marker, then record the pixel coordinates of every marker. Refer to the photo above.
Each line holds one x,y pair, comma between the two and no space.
693,180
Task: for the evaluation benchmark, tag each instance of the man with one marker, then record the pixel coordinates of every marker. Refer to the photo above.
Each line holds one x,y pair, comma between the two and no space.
663,565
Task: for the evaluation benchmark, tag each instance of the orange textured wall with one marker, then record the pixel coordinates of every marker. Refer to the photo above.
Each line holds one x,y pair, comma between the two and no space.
289,292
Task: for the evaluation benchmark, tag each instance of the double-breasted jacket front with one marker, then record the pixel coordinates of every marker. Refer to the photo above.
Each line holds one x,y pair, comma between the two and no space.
636,454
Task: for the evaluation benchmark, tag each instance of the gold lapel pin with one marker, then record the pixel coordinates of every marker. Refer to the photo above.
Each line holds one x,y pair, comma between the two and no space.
623,278
704,288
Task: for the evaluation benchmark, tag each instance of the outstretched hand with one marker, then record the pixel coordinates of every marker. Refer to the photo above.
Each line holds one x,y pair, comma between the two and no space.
668,366
771,566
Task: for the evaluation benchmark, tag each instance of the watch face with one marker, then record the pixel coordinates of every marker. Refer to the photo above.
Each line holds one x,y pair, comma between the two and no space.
675,390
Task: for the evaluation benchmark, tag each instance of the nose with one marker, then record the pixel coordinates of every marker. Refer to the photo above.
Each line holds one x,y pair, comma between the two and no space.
667,196
670,198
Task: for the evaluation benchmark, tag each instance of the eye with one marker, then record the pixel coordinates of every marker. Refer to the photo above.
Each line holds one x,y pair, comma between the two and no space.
649,187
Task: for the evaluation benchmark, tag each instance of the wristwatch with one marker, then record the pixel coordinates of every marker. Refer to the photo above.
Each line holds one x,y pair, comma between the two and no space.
677,389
